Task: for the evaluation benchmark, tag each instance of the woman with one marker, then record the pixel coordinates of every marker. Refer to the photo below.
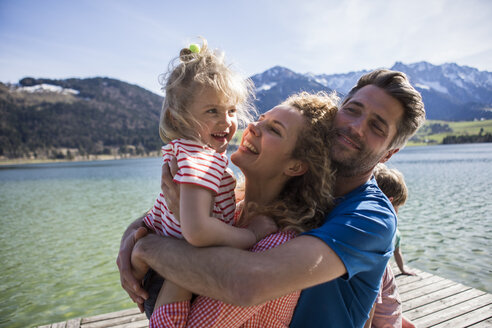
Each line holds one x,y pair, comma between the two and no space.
285,160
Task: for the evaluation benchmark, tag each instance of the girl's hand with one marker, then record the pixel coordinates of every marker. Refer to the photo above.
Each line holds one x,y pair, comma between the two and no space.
262,226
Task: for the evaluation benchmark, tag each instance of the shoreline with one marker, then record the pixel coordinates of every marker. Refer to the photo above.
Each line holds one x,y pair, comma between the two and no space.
91,158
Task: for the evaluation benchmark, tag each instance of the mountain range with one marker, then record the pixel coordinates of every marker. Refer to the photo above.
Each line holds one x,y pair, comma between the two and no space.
450,92
47,118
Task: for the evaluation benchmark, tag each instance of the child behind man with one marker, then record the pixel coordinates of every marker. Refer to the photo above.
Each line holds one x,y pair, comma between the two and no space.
387,310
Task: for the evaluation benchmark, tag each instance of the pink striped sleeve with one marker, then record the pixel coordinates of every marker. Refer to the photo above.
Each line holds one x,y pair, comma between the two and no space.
199,165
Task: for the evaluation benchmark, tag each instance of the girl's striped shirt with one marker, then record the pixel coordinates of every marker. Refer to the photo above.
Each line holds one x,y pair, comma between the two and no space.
202,166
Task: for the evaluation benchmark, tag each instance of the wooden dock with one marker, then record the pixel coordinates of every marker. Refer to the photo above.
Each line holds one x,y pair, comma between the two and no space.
428,300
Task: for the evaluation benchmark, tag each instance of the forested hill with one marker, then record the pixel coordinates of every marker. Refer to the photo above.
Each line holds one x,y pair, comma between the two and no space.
43,118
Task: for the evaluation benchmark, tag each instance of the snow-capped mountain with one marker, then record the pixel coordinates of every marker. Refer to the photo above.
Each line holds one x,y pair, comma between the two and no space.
450,91
274,85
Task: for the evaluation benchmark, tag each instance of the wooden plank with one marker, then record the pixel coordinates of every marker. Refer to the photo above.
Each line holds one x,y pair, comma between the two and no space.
437,295
111,315
419,284
59,325
118,321
74,323
137,324
482,324
457,310
426,290
443,303
468,318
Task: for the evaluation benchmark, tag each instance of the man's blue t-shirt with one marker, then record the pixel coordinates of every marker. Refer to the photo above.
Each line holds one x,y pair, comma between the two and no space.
360,230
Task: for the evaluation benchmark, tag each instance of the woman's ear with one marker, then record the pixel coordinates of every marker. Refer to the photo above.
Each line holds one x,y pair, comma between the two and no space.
295,168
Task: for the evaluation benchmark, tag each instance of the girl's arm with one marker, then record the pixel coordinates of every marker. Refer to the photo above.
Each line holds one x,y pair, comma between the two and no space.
200,229
399,261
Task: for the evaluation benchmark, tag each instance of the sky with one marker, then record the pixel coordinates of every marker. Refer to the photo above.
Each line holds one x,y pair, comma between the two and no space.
134,41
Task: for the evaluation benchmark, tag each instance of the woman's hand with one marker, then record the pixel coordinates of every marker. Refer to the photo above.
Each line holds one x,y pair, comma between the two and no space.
262,226
170,189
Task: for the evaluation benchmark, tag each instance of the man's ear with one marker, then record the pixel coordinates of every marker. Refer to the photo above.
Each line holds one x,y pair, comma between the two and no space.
295,168
388,155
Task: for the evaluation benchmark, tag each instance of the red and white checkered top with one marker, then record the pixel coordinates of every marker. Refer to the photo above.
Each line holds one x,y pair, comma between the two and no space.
206,312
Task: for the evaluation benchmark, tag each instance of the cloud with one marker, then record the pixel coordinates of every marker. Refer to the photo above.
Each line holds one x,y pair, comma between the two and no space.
340,36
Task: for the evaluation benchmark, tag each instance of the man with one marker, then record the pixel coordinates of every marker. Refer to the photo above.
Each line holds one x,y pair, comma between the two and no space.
344,259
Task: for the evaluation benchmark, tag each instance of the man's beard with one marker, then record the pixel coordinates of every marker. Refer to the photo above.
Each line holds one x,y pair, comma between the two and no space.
352,169
360,162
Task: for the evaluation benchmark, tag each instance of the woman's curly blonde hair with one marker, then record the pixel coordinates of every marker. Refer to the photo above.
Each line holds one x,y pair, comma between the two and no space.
186,75
305,199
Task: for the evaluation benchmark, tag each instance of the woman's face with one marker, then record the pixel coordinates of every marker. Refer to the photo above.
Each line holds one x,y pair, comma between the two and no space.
266,146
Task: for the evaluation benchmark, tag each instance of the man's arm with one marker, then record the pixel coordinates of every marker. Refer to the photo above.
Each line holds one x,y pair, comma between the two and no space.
241,277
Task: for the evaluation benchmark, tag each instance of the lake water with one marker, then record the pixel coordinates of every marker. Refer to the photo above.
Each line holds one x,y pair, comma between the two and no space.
61,226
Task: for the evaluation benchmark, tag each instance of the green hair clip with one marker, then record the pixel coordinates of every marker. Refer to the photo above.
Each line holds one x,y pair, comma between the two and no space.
194,48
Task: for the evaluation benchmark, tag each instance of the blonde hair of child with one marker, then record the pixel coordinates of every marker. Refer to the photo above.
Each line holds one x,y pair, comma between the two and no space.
186,76
392,184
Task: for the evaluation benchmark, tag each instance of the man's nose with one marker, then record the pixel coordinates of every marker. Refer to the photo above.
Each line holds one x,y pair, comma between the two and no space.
357,127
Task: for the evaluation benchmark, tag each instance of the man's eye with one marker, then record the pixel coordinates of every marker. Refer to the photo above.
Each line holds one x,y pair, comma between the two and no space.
378,128
212,110
275,130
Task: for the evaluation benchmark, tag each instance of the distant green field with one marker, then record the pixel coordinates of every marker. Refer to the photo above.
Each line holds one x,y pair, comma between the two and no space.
433,132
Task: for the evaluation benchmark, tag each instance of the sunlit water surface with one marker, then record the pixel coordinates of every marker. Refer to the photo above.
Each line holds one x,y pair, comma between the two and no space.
62,224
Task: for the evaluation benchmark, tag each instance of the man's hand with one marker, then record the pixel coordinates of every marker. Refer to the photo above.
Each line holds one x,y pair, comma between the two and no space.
129,282
170,189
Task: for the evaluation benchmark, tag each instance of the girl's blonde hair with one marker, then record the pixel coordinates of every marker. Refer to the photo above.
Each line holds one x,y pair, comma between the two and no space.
305,199
187,75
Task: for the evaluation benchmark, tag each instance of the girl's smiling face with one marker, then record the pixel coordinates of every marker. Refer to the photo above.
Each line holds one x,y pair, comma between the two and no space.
216,118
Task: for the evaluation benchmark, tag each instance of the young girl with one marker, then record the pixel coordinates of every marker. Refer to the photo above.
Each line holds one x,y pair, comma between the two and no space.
203,103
